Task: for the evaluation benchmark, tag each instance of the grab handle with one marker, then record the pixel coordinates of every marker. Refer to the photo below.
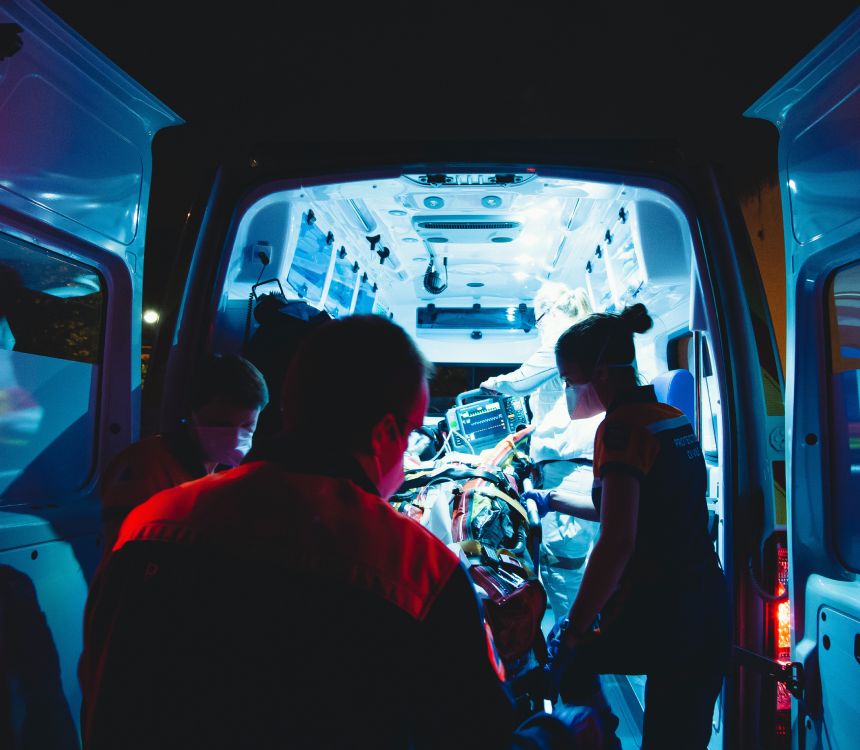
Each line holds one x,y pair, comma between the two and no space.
475,394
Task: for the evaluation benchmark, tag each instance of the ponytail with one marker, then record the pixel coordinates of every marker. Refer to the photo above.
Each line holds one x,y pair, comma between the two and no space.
636,318
607,336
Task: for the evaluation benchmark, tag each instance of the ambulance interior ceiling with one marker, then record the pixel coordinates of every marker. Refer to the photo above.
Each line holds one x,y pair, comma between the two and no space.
389,245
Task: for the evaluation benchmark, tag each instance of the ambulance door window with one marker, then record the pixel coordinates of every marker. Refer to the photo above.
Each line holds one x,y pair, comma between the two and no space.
844,304
690,351
51,328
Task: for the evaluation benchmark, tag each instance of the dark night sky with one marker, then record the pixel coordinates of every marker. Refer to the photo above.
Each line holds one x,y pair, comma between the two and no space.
320,71
468,70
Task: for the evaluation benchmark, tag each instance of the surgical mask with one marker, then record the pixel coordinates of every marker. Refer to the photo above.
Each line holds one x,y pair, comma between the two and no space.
582,401
224,445
388,481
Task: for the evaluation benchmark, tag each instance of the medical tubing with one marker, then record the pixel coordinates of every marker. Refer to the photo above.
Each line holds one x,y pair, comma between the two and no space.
465,440
436,480
444,446
251,297
761,592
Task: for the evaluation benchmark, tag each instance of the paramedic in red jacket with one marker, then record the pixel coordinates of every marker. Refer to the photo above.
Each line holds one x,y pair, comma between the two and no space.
228,396
284,603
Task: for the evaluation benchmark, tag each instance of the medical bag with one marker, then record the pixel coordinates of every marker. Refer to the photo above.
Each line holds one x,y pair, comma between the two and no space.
489,527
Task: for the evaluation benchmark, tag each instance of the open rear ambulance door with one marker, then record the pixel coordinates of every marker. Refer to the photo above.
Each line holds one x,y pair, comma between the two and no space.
816,108
75,169
732,318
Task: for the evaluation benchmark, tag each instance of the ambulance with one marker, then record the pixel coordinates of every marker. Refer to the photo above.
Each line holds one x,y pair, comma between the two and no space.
451,240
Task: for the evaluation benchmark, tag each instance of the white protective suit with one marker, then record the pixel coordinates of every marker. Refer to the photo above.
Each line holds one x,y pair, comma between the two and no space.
566,541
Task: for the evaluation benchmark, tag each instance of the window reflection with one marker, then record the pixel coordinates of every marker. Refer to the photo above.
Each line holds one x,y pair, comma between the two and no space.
845,410
51,312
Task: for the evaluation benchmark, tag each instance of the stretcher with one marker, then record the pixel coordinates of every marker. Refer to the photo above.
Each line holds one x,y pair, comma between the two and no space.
472,502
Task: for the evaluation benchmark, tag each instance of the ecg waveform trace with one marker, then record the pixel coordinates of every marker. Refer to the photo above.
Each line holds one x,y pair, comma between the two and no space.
485,422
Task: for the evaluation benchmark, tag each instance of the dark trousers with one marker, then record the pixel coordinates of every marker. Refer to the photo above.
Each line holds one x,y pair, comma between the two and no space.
681,641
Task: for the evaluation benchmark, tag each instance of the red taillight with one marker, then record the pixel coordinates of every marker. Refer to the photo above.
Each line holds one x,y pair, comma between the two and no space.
781,613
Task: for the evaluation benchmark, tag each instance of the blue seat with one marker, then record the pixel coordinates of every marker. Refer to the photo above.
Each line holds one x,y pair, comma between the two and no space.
677,388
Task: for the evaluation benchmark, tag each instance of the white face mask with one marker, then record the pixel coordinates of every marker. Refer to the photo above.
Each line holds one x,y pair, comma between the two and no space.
388,482
224,445
582,401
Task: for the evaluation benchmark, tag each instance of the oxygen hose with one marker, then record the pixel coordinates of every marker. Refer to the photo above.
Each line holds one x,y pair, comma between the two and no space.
264,259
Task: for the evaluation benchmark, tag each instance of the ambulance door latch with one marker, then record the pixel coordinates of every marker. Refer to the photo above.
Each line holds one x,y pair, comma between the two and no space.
790,674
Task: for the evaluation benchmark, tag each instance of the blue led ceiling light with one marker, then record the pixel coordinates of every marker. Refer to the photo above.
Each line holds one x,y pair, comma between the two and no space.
466,229
475,284
437,239
501,239
397,212
433,201
491,201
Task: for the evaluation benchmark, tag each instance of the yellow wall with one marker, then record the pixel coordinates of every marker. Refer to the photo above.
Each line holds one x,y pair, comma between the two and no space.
763,214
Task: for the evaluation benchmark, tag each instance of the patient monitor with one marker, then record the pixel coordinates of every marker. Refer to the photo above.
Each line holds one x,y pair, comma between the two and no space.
483,423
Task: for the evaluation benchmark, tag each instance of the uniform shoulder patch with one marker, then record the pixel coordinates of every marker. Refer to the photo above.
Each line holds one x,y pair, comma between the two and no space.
616,437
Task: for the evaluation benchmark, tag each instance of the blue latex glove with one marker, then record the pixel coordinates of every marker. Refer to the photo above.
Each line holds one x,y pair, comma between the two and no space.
583,723
577,726
558,657
553,640
541,498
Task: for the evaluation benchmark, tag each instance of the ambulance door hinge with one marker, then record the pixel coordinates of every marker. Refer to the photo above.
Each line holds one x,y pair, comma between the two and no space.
790,674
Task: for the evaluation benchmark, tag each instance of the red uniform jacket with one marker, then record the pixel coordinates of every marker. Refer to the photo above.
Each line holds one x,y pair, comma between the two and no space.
153,464
262,607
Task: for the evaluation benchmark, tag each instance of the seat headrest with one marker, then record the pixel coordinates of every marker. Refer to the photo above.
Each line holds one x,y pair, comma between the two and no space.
677,388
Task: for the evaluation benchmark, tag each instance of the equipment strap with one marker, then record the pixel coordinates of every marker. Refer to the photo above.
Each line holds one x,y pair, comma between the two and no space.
423,478
496,492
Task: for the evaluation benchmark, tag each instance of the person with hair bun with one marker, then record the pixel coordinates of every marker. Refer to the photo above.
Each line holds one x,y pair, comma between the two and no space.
653,598
561,449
